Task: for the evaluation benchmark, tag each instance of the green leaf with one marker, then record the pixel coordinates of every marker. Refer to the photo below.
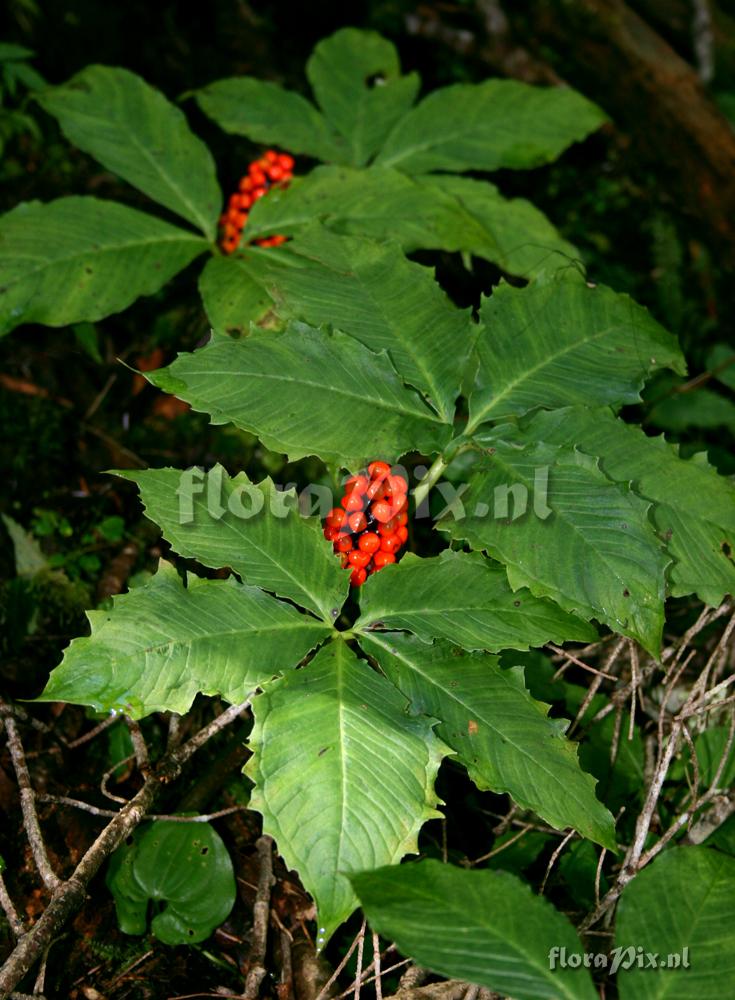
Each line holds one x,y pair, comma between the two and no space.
465,598
560,342
253,528
78,259
721,362
163,643
182,865
683,900
587,542
710,747
372,292
509,232
266,113
487,126
356,78
700,536
306,392
501,735
375,202
29,559
485,927
701,407
133,130
343,776
233,293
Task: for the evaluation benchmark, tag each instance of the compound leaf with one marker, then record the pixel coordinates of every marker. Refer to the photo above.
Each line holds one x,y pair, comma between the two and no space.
700,536
371,291
267,113
356,78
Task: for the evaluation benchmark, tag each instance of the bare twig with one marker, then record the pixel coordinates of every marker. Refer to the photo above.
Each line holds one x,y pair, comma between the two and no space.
323,992
139,745
27,801
378,973
261,914
63,800
358,970
553,859
16,924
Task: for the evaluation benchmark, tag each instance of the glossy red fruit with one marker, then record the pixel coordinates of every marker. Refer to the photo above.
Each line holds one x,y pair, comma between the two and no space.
286,161
402,518
351,502
397,485
359,559
357,522
381,559
369,542
382,511
378,470
402,533
343,544
388,528
358,577
390,543
336,517
331,533
357,484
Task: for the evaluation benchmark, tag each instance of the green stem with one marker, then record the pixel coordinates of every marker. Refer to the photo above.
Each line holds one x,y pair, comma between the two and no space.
429,480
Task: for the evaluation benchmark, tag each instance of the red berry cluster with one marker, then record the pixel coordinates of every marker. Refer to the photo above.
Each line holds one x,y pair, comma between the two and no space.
369,528
271,168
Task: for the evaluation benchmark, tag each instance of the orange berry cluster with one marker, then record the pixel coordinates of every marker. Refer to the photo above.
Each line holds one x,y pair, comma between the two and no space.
272,168
369,528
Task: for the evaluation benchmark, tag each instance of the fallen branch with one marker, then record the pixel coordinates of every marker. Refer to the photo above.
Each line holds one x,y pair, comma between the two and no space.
261,915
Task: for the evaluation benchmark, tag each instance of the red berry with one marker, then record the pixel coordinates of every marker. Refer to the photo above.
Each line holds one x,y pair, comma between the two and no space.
381,559
352,501
358,577
336,517
286,161
275,172
369,542
357,522
331,533
388,528
343,544
402,533
397,485
382,511
378,470
402,518
376,490
357,484
390,543
359,559
271,156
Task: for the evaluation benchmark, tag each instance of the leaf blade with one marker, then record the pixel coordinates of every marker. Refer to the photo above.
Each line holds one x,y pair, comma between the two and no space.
80,259
497,729
258,534
133,130
482,926
465,599
163,643
489,125
306,392
343,778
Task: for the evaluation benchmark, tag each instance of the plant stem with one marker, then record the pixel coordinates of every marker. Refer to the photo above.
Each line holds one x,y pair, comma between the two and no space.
429,480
